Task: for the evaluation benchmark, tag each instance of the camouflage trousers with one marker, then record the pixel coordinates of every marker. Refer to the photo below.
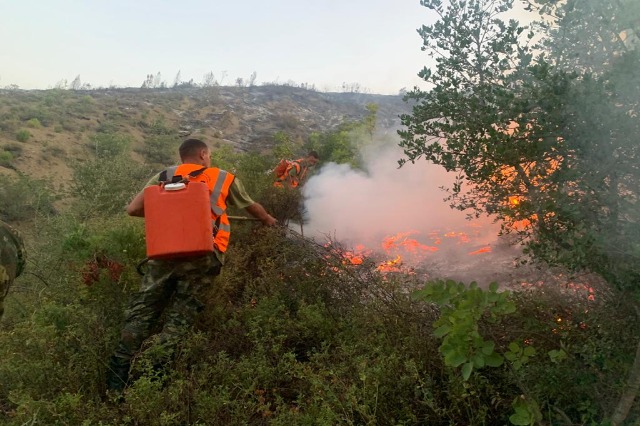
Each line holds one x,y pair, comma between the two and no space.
11,260
170,288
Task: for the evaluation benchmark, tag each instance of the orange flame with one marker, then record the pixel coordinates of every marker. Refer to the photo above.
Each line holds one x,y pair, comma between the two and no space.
391,265
461,236
402,240
486,249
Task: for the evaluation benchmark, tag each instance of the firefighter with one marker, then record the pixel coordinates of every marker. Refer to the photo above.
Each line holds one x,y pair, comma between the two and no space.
12,259
172,287
294,172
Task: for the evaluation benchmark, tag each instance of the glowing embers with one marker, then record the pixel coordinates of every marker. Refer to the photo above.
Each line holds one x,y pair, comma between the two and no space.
406,252
394,265
357,256
402,241
486,249
581,291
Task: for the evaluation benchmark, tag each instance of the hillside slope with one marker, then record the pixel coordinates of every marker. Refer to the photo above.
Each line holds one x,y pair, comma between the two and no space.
43,132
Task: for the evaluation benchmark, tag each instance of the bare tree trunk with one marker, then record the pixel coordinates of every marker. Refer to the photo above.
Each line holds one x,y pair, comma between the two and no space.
629,393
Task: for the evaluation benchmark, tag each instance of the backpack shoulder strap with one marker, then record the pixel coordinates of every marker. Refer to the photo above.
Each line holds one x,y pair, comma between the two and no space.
168,175
196,173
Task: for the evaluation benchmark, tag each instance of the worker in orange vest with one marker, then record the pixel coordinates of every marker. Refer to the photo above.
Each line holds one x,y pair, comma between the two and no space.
172,286
294,172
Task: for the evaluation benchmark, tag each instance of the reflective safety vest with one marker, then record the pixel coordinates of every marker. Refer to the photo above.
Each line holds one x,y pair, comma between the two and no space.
218,181
293,181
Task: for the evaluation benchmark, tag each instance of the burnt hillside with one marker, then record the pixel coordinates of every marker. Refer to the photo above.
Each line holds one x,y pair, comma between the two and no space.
41,132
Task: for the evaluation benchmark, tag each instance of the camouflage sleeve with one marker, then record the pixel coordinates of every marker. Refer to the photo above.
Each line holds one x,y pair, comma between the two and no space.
11,248
11,259
238,196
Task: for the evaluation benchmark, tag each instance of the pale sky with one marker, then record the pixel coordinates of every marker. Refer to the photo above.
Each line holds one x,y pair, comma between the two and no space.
373,43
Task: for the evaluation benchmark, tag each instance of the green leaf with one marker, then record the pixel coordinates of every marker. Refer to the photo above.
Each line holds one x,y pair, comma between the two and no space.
493,286
514,347
488,347
557,355
520,418
478,361
454,359
494,360
441,331
466,370
523,412
529,351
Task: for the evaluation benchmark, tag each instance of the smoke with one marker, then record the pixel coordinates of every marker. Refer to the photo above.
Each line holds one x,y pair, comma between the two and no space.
364,207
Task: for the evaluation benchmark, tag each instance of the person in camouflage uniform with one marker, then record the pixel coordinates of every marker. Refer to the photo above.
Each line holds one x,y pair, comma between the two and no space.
172,288
11,260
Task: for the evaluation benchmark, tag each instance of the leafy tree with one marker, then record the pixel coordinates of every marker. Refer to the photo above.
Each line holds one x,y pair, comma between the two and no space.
345,144
587,35
284,146
548,138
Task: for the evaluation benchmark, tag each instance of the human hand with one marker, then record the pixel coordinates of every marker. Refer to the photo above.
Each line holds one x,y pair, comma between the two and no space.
269,220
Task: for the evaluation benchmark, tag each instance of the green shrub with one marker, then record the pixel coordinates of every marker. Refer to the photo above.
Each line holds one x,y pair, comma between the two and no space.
160,150
14,148
23,197
23,135
106,185
109,145
9,122
108,126
34,123
83,105
69,125
5,158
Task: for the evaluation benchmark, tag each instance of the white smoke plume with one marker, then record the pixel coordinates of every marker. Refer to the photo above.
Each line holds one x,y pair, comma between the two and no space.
362,208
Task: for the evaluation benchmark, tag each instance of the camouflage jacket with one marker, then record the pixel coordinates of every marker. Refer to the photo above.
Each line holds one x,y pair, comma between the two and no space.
12,254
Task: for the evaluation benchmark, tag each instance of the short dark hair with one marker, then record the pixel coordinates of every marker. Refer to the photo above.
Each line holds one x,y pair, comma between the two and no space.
190,148
313,154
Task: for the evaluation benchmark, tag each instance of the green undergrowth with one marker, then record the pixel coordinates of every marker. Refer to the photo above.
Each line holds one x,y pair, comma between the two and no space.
293,335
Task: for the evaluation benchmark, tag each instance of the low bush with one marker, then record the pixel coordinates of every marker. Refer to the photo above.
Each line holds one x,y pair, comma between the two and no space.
23,197
23,135
160,150
106,185
6,158
34,123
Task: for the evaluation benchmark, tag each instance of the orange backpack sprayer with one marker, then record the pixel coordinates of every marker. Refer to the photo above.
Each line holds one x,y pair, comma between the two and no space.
178,220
